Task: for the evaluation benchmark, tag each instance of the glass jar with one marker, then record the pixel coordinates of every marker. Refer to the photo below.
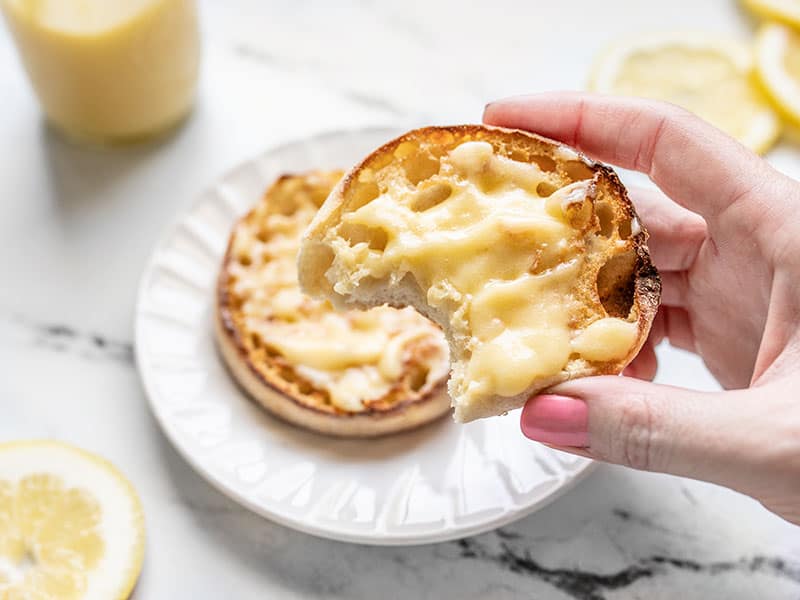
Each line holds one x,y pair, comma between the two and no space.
109,71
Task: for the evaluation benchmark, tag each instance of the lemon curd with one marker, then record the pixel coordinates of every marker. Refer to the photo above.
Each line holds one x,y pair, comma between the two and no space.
109,71
474,250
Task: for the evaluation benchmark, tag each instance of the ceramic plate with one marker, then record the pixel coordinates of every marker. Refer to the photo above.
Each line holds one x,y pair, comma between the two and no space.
441,482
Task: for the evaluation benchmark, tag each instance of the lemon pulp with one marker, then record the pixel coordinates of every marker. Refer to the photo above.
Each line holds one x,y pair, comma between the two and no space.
71,526
711,78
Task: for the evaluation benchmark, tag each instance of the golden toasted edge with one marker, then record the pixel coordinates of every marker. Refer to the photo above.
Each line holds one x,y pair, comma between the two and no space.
283,405
313,255
278,397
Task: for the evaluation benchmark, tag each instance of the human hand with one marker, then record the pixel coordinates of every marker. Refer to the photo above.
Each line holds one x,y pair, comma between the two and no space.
725,236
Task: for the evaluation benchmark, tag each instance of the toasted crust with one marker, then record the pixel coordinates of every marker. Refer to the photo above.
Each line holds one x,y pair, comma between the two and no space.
630,287
273,380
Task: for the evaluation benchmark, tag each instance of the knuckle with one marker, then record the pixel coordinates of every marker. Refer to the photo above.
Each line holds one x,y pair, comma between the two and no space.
677,113
635,433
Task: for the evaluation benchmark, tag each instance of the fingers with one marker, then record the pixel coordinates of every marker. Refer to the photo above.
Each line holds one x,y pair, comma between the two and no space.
658,329
744,439
675,288
678,328
672,323
659,139
676,234
645,365
633,423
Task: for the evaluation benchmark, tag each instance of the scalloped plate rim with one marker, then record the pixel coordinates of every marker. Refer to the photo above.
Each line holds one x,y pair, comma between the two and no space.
328,529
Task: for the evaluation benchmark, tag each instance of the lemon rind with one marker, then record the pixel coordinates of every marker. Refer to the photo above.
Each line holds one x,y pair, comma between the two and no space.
766,127
132,574
777,84
768,9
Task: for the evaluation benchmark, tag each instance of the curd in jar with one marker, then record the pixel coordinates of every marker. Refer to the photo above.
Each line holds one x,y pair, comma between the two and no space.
109,71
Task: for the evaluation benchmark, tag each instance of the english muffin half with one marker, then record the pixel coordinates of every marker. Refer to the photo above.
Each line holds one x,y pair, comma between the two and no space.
529,255
356,374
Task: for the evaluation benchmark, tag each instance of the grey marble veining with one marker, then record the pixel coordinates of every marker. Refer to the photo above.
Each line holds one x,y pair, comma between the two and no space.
78,224
62,338
564,551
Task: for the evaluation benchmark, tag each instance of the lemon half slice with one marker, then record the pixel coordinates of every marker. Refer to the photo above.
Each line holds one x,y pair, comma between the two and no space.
787,11
778,67
711,77
71,526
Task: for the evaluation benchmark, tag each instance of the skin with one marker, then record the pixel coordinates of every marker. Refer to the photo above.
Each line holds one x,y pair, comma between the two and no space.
725,235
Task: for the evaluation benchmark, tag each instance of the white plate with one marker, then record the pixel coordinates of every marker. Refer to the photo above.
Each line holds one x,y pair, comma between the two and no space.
441,482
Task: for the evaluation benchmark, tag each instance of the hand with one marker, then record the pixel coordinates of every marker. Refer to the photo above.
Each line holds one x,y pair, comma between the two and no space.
725,235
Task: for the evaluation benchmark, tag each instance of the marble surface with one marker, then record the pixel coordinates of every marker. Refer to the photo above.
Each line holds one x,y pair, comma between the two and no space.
77,225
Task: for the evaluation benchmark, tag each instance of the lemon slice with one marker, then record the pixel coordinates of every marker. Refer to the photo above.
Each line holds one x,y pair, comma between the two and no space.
71,526
778,67
787,11
710,77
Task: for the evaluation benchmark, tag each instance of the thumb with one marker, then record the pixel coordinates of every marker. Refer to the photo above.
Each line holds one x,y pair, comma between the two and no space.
637,424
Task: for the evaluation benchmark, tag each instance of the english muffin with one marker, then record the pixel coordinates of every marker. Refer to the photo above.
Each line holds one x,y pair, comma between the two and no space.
529,255
353,374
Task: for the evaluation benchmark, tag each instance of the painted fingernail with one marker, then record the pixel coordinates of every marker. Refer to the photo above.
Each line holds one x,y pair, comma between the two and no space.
554,419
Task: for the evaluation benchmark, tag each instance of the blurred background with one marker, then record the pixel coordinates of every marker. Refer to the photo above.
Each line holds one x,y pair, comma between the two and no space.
77,224
274,71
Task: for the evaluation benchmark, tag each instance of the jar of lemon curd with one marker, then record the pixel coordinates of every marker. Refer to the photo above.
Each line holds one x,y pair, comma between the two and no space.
109,71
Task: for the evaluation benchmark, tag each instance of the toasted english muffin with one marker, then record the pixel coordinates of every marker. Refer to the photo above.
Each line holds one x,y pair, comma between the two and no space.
357,374
529,255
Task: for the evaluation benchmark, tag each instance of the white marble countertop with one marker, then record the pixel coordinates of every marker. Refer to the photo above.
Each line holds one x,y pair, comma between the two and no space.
77,226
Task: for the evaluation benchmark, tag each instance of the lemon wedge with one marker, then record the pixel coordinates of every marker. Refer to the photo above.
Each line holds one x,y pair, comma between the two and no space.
71,525
787,11
711,77
778,67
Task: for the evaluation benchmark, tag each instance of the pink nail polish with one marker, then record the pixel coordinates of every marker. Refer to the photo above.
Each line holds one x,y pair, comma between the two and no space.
554,419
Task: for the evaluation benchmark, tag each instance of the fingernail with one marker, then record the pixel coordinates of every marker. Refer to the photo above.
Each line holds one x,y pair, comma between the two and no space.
554,419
